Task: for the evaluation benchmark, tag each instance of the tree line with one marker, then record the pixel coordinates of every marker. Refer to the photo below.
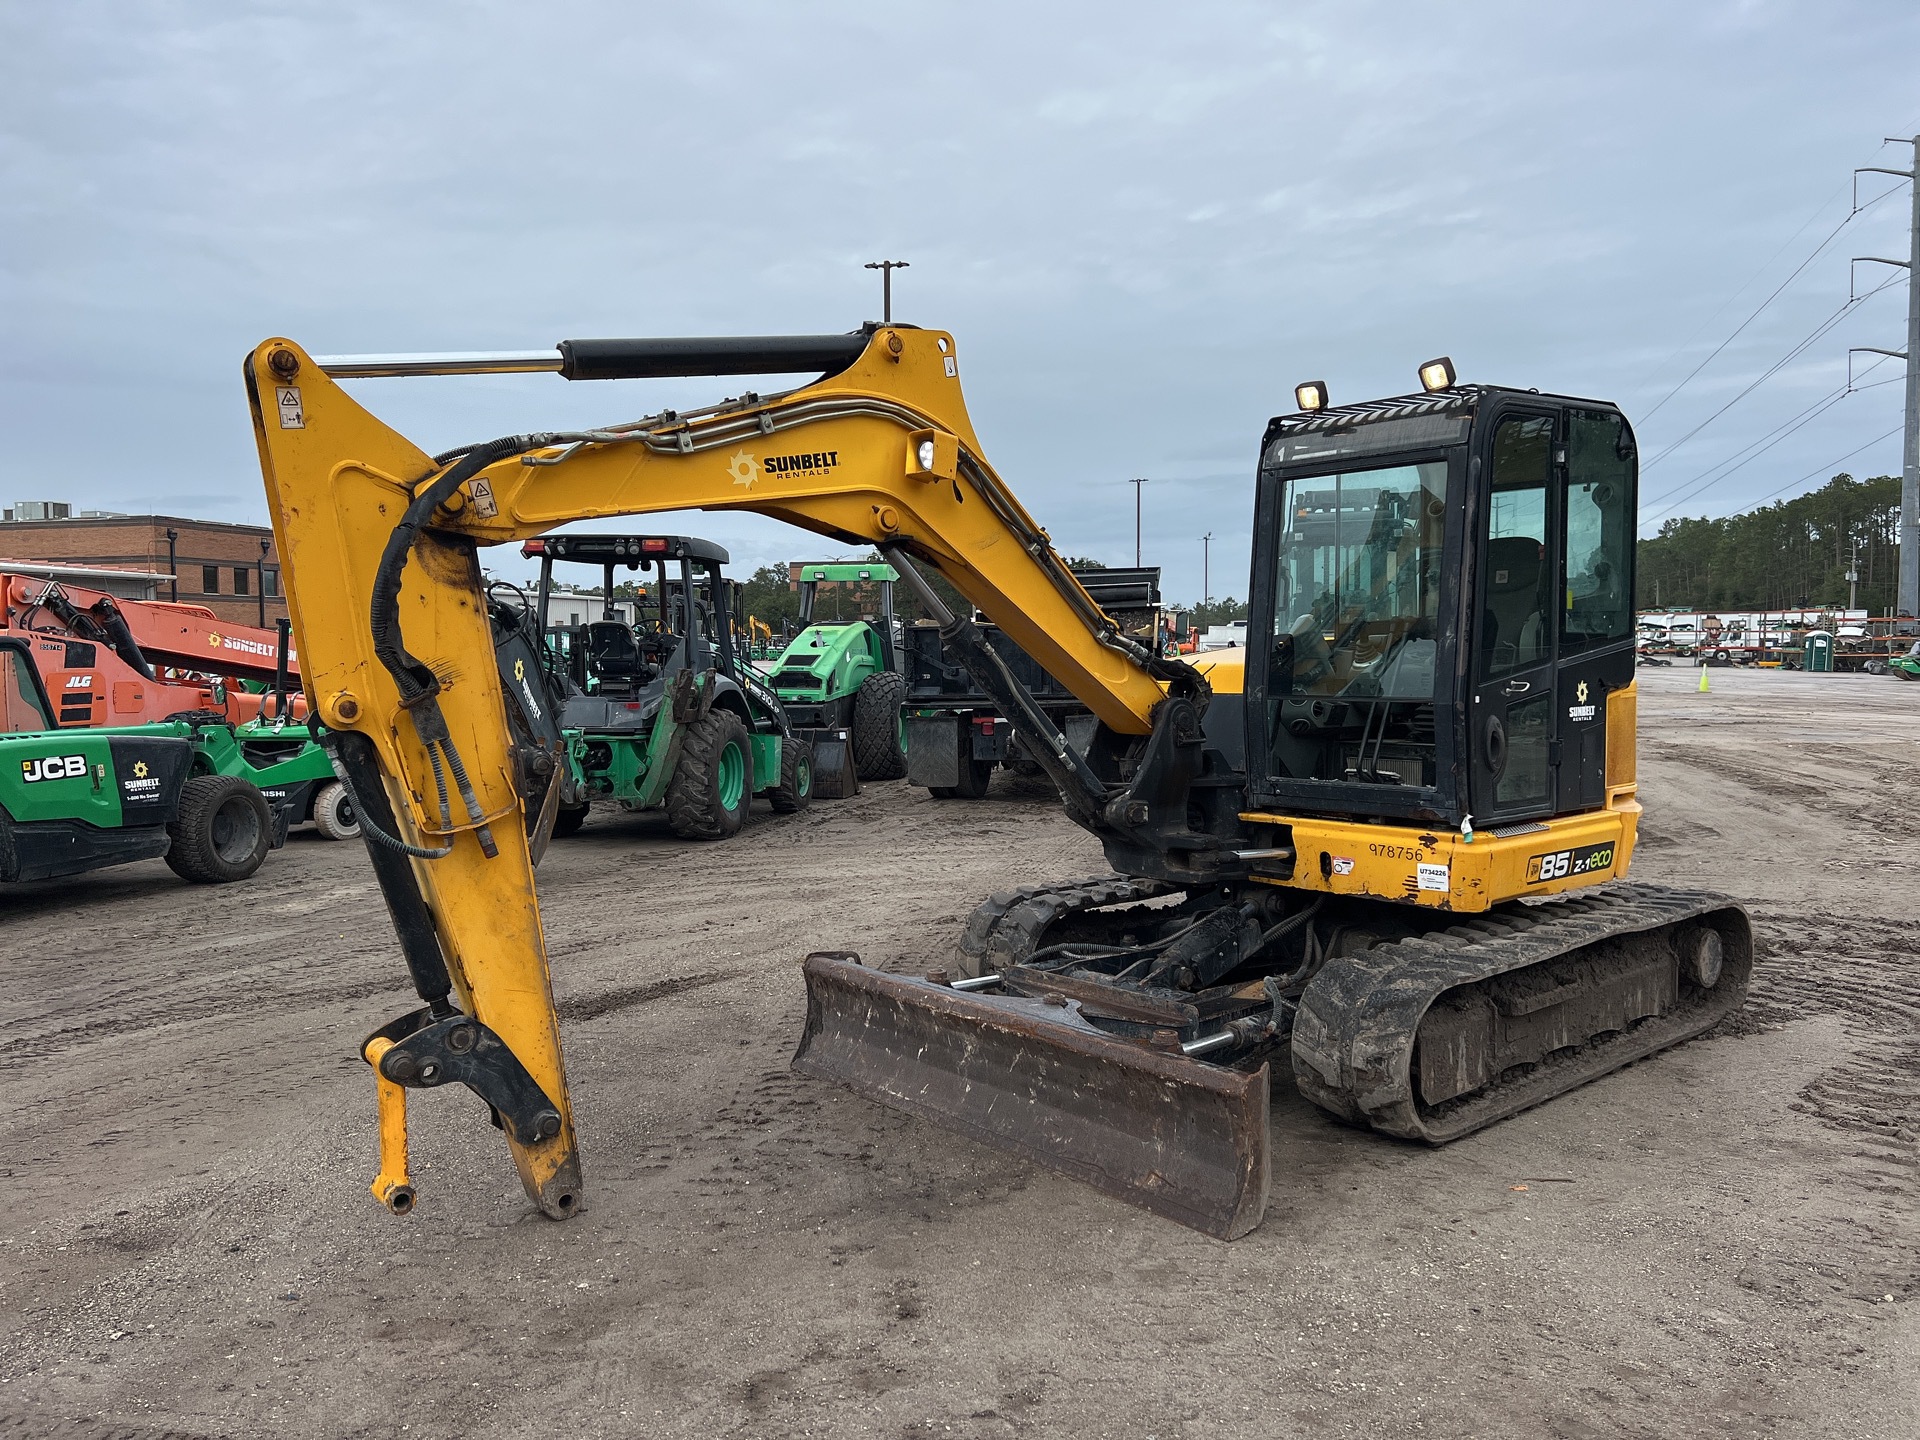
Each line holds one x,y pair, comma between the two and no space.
1787,555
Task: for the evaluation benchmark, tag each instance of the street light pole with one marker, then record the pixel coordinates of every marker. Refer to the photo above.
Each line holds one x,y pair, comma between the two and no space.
1136,483
886,269
1206,578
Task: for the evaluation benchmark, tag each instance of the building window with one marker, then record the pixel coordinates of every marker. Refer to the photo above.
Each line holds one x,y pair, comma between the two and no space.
242,580
270,582
210,579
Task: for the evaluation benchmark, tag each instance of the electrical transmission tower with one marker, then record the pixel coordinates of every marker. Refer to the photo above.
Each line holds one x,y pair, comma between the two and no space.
1909,597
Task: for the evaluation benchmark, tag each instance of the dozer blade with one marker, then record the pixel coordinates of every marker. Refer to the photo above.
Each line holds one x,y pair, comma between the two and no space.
1184,1139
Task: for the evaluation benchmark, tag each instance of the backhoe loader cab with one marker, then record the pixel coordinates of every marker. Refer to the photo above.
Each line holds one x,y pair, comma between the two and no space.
1446,582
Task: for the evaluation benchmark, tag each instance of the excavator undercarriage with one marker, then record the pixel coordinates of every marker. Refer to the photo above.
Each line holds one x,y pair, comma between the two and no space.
1057,1042
1441,630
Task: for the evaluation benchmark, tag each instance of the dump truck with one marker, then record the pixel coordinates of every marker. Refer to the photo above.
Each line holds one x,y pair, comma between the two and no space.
1381,857
956,735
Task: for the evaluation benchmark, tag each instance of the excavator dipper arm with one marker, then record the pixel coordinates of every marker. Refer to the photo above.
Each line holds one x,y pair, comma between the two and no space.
379,546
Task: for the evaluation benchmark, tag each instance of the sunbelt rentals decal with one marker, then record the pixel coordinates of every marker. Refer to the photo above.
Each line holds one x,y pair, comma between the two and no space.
746,468
140,785
249,647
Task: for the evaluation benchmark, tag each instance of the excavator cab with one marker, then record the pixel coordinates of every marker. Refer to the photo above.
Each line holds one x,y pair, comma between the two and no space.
1446,580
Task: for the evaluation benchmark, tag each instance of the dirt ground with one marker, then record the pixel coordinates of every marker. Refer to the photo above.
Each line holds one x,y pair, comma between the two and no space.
1718,1241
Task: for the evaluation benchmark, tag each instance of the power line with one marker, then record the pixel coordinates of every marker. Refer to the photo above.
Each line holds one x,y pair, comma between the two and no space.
1818,331
1745,286
1740,459
1827,470
1832,235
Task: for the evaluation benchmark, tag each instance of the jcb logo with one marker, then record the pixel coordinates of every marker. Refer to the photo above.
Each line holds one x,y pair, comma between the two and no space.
53,767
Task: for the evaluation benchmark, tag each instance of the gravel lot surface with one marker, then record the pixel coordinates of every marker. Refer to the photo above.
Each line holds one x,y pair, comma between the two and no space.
1718,1241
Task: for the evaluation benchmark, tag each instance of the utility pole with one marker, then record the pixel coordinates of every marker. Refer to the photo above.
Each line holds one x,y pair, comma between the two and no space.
1853,578
1909,589
1136,483
886,269
1206,579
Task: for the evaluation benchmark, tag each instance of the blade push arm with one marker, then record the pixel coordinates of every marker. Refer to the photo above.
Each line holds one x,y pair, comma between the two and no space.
379,549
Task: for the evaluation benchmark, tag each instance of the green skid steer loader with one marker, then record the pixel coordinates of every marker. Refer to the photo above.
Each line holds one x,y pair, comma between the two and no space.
842,683
83,798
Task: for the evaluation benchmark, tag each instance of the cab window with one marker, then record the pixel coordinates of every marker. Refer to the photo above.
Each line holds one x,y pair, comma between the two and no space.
1598,605
1516,614
20,712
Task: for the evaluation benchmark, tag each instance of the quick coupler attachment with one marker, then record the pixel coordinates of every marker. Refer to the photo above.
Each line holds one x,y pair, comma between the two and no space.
433,1047
1175,1135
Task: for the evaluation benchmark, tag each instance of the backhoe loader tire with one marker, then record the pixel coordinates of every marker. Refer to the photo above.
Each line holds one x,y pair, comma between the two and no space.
795,790
879,734
333,813
221,830
568,820
712,786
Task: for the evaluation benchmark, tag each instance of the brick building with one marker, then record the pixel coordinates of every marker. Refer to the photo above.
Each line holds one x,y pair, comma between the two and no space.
233,570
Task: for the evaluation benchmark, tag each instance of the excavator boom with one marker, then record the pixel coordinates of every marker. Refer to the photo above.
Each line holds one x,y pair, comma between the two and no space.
378,543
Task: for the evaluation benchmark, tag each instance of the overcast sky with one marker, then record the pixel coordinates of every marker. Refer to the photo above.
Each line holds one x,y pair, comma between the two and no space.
1143,223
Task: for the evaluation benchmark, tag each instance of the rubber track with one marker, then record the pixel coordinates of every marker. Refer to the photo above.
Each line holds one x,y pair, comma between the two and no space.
1008,926
1353,1039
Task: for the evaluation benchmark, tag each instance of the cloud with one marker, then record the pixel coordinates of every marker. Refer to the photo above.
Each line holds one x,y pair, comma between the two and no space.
1142,230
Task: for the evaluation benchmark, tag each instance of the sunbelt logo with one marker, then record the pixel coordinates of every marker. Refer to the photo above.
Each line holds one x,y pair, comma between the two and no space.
263,649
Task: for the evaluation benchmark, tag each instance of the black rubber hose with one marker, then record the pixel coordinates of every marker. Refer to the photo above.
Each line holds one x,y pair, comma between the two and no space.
415,679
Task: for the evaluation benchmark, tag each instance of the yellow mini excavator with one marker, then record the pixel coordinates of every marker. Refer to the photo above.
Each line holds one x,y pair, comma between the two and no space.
1365,851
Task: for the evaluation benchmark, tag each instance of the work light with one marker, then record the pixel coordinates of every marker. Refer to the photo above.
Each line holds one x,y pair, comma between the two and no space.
1437,374
1311,396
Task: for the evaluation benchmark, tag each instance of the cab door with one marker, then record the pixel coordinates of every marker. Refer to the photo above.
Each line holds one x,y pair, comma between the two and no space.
1512,628
1595,652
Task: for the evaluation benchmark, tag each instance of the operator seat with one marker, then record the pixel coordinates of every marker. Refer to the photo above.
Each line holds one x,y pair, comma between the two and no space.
614,658
1513,629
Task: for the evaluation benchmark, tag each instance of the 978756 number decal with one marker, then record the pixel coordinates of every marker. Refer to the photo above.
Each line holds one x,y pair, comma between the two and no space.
1560,864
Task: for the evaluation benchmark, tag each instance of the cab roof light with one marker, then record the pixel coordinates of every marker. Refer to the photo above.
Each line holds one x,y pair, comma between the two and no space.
1437,375
654,547
534,547
1311,396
